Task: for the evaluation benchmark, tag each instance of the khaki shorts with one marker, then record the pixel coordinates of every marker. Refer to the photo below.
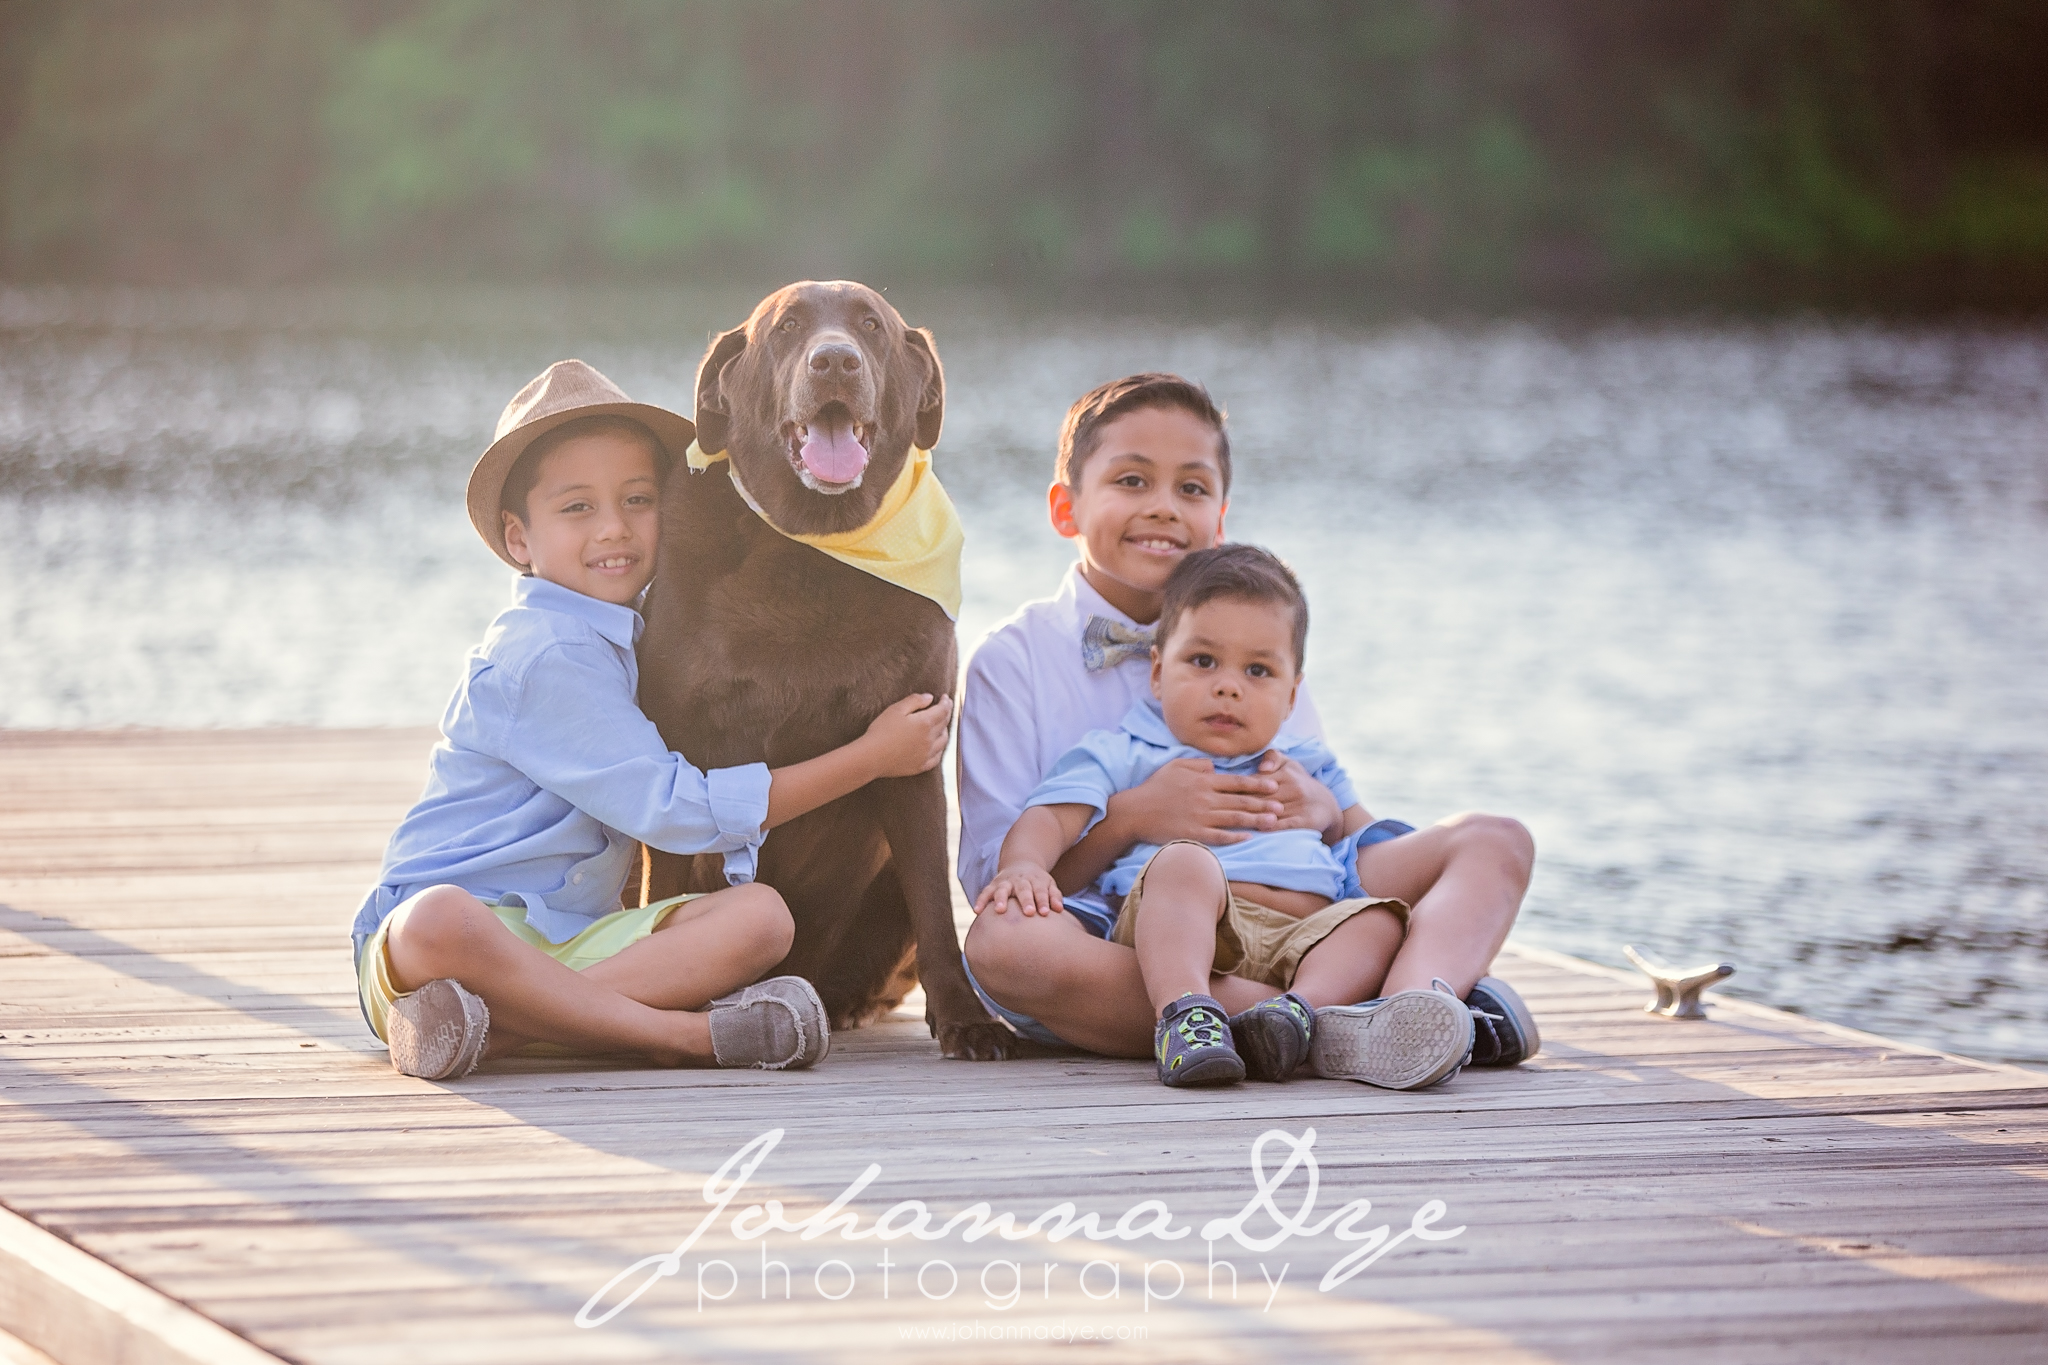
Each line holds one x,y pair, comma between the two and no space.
607,936
1256,941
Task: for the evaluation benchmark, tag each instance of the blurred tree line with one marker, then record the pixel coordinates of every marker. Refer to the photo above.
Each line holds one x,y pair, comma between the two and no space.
1486,149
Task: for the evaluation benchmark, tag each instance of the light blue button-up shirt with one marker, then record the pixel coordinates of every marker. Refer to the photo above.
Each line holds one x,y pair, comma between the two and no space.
1106,762
548,774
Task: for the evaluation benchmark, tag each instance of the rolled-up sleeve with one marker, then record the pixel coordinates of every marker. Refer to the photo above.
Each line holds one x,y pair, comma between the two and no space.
739,807
572,727
739,800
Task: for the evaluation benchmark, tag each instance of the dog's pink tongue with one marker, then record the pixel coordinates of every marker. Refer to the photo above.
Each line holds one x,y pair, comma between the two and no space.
832,454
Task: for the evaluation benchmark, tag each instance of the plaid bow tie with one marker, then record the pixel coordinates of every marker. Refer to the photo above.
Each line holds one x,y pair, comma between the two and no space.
1106,643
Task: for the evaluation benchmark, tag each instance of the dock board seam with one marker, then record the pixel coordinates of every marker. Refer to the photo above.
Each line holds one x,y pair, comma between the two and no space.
79,1310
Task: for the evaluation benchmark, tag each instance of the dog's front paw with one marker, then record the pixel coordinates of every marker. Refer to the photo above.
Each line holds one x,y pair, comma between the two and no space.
978,1040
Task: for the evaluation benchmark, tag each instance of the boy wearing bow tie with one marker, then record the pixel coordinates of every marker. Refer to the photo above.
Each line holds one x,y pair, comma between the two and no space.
1142,479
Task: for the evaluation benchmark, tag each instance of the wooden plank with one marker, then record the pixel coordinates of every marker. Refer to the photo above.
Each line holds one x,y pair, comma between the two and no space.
15,1351
77,1308
187,1091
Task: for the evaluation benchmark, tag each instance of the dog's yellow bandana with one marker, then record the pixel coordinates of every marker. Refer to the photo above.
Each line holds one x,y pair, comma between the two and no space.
914,540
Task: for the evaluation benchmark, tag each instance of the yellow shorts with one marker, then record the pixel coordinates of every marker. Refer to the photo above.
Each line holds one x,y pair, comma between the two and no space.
1256,941
606,937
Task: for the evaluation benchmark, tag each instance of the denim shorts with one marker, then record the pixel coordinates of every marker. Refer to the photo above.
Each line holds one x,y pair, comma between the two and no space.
1379,831
1097,921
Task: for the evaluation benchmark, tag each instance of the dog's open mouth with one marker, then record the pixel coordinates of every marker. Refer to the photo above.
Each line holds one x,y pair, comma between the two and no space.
830,451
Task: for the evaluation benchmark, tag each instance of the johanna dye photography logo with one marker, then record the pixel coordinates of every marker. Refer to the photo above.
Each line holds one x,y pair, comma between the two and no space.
1262,1225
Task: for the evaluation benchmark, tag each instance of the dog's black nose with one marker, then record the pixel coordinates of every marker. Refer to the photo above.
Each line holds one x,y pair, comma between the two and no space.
840,356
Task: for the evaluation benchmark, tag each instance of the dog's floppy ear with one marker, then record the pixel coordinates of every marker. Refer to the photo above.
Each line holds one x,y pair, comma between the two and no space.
931,404
713,412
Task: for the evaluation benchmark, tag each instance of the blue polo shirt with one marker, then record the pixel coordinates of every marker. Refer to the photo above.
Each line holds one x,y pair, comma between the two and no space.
548,774
1106,762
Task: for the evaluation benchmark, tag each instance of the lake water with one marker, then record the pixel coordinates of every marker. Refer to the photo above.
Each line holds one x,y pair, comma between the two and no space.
1746,621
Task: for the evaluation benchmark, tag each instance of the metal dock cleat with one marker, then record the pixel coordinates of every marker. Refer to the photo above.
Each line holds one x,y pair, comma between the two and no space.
1678,988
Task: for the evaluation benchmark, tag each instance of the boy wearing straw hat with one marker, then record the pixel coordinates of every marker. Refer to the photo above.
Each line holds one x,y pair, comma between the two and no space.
498,901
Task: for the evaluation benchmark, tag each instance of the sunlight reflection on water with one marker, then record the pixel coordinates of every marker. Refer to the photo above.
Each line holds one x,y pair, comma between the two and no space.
1744,621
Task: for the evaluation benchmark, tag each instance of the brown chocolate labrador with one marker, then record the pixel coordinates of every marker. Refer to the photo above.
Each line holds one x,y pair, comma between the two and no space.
762,649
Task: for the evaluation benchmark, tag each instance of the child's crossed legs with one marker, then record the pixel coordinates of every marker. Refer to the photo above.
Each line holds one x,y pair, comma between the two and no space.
1106,997
644,998
1463,878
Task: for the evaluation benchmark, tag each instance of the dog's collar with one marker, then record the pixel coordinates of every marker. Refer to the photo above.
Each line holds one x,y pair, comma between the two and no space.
913,542
698,462
732,471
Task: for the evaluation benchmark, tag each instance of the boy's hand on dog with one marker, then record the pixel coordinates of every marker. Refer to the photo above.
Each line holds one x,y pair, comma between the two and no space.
910,737
1029,887
1189,799
1304,802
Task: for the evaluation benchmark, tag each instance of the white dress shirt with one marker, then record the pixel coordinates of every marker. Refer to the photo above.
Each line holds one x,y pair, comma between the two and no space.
1028,698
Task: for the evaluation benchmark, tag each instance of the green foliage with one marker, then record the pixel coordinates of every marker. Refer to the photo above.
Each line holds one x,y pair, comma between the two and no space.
1491,148
1996,211
180,135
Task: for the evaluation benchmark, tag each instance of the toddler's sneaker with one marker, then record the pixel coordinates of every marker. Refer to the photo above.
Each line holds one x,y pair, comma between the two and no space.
1503,1031
1405,1042
1273,1036
773,1025
438,1032
1191,1045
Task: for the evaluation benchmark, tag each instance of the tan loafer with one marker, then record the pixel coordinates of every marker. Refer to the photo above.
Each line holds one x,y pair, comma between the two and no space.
773,1025
438,1032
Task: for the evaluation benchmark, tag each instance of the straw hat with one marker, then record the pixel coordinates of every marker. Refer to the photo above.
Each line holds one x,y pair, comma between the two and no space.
565,391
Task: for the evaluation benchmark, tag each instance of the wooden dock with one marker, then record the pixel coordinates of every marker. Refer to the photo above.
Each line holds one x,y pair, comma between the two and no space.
189,1097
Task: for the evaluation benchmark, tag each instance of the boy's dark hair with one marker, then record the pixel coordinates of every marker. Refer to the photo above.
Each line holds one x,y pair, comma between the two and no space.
1241,571
1097,408
525,471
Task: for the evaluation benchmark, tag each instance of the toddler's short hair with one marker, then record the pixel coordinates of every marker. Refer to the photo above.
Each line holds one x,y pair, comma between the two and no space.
1241,571
525,471
1095,409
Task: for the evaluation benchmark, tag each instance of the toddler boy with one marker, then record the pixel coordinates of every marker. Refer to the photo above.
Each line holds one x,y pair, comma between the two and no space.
1281,908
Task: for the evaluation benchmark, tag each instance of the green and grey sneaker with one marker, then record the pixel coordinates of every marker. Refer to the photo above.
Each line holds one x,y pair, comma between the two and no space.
1191,1045
1405,1042
1273,1036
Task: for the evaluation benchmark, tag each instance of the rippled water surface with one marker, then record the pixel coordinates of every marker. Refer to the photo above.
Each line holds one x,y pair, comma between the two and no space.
1745,621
